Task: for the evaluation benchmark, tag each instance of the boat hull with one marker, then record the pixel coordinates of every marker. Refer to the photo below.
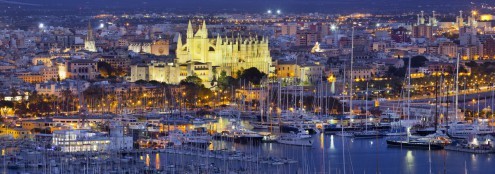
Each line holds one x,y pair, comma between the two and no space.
333,130
367,135
289,129
414,145
248,140
296,143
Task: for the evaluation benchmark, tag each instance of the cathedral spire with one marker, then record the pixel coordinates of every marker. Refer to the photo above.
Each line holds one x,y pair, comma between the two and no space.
190,32
89,43
204,30
179,42
89,36
219,40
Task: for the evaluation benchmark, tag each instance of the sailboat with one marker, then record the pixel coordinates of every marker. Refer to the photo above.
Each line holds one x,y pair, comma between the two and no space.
367,133
432,140
341,130
264,105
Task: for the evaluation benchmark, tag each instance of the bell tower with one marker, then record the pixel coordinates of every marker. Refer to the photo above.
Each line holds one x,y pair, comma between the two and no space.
89,43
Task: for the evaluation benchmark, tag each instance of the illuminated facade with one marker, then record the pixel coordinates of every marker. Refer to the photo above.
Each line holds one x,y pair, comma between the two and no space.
158,47
201,54
89,43
232,53
81,140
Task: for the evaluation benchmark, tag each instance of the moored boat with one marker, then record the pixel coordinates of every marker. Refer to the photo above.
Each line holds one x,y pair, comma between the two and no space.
368,134
293,140
414,144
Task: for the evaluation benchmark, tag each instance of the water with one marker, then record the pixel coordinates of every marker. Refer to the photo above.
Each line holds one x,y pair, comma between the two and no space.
361,156
327,155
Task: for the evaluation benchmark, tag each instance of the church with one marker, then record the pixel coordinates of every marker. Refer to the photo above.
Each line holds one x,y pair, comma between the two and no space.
201,55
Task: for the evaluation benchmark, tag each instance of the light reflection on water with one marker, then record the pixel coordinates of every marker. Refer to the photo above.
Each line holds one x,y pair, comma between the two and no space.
362,156
147,160
332,145
157,161
409,161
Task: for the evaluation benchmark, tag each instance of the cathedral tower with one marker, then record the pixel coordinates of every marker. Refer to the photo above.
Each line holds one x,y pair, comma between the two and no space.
89,43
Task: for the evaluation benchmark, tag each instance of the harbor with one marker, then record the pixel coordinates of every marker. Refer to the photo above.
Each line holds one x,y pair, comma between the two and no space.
329,153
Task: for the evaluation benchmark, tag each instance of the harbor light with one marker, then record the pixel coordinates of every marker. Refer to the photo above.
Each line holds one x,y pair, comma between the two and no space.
278,11
41,25
269,11
333,27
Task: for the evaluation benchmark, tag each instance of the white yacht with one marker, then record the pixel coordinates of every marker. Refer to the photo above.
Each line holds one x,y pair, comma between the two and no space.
464,130
293,139
302,133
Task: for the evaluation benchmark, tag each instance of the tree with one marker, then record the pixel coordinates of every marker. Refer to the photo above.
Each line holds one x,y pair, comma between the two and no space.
416,61
192,79
120,72
140,82
105,69
225,81
252,75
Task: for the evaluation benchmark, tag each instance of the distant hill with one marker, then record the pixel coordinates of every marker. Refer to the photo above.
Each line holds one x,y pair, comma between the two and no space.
254,5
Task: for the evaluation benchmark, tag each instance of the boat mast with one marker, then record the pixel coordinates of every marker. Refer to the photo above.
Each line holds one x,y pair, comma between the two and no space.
436,104
279,96
409,88
342,123
351,78
366,107
457,87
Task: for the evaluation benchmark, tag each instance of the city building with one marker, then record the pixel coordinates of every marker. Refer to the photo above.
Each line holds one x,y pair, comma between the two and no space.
82,140
40,125
200,54
488,42
31,77
448,49
306,38
57,88
400,35
421,29
116,61
82,69
15,132
288,29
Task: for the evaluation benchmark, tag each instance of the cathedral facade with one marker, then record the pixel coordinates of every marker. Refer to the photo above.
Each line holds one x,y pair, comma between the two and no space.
200,55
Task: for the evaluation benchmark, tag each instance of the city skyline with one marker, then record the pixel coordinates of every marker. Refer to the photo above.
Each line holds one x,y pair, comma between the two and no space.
248,87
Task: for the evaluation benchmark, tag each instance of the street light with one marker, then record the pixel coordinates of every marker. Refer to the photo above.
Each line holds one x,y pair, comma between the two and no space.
333,27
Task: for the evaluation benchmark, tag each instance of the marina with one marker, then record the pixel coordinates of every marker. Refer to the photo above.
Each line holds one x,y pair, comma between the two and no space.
285,155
